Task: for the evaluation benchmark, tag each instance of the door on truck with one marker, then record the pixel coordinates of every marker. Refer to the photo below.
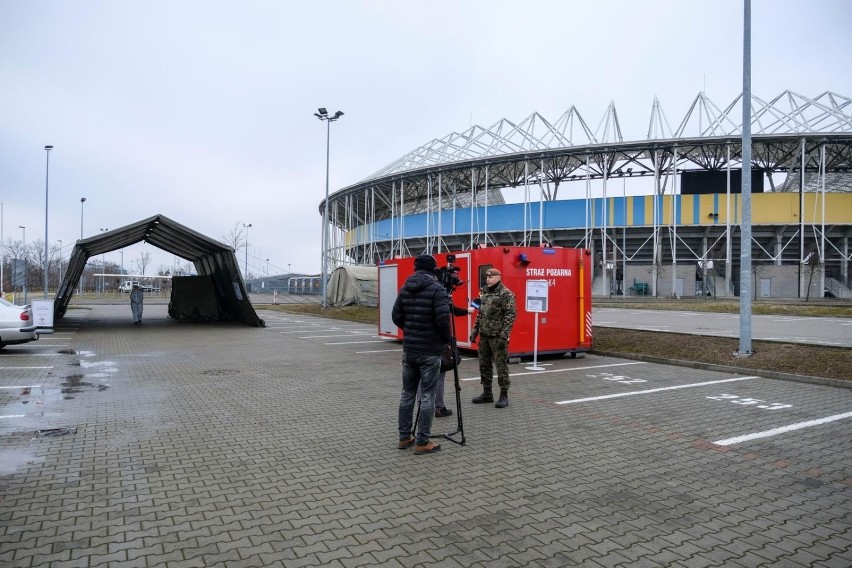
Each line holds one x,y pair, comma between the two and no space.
388,290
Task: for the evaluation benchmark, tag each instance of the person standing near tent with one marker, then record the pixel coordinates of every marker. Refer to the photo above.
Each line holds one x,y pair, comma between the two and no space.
136,298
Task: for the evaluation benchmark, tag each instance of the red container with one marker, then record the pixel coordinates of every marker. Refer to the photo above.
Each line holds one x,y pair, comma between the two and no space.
566,326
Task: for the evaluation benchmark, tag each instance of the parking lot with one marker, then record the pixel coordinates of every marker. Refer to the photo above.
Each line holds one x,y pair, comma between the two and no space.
174,444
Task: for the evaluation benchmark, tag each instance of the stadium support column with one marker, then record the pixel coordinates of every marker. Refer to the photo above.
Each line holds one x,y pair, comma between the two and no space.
440,209
604,215
472,201
526,199
822,223
655,262
802,225
485,232
674,222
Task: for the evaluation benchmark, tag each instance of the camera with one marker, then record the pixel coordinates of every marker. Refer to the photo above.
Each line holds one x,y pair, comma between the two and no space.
448,275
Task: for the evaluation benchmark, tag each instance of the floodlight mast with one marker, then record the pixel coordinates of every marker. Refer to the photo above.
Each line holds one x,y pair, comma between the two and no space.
323,115
47,150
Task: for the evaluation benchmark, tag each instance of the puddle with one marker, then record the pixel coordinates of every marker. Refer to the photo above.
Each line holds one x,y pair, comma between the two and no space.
74,384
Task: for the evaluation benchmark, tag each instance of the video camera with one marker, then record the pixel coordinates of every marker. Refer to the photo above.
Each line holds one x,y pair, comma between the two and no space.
448,275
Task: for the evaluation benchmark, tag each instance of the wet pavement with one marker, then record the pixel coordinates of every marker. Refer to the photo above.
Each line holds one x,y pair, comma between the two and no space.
176,444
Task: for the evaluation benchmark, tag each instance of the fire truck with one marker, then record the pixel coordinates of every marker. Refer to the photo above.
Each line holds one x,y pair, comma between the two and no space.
564,328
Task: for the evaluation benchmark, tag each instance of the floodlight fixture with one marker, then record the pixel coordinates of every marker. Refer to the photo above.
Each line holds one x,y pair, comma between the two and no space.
322,111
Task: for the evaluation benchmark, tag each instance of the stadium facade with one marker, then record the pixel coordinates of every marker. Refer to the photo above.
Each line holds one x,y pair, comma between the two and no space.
674,233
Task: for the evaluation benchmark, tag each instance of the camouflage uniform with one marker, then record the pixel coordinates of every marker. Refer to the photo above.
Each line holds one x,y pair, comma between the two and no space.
493,324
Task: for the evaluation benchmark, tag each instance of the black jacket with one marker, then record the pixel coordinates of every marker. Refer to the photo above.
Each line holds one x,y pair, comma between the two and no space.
422,310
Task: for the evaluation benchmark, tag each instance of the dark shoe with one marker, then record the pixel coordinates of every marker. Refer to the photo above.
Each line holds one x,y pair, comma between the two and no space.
443,411
503,402
405,444
486,396
427,448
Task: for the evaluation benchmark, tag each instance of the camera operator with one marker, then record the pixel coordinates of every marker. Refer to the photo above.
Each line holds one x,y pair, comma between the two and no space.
422,311
494,324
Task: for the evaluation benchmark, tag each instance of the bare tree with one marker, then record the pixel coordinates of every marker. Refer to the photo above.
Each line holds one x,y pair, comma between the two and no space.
236,238
143,261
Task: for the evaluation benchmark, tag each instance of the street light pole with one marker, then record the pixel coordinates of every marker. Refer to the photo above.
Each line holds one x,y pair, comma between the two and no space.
82,201
103,268
26,268
245,271
322,114
267,268
60,267
47,150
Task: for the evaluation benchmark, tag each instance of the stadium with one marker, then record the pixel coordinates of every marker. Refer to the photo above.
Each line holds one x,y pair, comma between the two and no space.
660,213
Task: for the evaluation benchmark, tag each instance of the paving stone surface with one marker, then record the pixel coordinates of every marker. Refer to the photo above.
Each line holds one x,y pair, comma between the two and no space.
183,445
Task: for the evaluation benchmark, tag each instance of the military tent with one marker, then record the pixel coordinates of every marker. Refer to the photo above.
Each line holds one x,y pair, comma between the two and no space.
354,285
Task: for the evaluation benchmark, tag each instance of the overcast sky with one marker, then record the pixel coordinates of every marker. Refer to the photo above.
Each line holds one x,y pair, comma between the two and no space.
202,110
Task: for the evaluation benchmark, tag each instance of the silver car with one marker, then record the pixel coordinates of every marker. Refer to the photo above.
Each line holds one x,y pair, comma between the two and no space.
16,324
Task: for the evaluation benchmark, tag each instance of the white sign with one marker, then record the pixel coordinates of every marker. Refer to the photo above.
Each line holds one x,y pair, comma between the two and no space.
42,313
537,296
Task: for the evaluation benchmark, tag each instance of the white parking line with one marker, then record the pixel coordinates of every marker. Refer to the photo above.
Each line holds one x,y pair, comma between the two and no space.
565,370
315,330
782,430
649,391
50,367
22,387
13,416
380,351
352,342
350,334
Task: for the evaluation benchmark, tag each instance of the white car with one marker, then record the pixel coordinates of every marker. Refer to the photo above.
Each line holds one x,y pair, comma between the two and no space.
16,324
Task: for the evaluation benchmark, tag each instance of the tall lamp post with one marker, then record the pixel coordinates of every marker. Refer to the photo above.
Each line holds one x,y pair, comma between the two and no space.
82,201
245,275
47,150
103,268
26,268
322,114
60,267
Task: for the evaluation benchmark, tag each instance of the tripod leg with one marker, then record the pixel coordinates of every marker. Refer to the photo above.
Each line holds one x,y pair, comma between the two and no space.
416,417
460,429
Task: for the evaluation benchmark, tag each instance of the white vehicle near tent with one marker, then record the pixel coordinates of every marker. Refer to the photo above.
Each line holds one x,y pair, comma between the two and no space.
354,285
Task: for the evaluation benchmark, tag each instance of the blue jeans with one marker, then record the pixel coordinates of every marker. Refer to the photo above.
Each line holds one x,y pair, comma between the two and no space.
418,369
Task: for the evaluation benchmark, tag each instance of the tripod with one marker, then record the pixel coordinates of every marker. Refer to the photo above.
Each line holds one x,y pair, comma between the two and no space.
460,429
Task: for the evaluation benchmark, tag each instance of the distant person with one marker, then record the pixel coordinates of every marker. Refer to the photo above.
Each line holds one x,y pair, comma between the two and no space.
136,298
422,311
494,323
275,297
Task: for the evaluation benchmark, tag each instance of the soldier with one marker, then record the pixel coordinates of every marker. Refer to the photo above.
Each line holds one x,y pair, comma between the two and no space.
494,324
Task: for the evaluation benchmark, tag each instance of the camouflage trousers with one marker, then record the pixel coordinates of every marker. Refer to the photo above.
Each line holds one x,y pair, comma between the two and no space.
493,351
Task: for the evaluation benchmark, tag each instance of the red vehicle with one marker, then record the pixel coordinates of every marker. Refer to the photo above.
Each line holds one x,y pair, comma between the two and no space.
566,326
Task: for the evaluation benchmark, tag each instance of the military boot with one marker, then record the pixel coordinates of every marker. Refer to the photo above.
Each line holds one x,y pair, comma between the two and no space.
486,396
503,401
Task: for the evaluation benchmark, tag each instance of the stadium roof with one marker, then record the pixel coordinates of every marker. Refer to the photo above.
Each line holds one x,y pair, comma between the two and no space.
787,113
